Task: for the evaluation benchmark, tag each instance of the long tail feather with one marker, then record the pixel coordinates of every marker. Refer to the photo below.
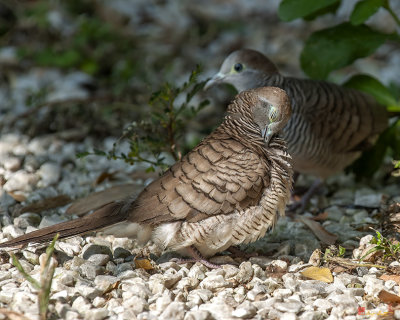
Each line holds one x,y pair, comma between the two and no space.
109,214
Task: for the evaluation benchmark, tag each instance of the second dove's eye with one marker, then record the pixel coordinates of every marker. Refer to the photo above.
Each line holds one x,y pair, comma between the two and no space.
238,67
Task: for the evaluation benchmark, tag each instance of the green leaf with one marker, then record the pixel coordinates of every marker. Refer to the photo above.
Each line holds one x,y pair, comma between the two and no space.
370,161
364,9
337,47
374,87
293,9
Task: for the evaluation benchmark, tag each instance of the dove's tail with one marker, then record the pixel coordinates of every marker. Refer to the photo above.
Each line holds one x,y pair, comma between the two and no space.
105,216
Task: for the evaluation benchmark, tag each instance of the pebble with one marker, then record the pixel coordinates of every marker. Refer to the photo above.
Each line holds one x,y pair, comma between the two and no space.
214,282
27,219
49,173
99,259
90,270
91,249
198,315
289,306
368,198
21,181
175,310
244,311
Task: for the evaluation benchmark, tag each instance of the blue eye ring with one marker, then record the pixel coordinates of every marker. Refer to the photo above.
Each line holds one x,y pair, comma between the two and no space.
238,67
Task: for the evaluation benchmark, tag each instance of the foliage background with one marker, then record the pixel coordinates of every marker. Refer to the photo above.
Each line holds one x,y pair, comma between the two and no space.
127,62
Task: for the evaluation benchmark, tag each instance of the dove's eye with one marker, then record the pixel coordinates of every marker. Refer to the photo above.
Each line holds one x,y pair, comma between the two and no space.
238,67
273,114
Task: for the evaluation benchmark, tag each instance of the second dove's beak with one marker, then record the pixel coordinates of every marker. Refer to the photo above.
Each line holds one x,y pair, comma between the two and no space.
217,78
267,135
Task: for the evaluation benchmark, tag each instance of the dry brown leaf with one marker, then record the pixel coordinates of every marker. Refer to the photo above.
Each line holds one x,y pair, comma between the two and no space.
315,273
144,264
320,217
103,176
393,277
46,204
388,297
17,196
12,315
319,231
101,198
112,287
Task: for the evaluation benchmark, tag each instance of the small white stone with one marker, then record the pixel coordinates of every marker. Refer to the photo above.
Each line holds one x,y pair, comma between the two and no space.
244,311
21,181
49,173
289,306
48,221
288,316
323,304
12,231
136,304
6,296
198,315
88,292
96,314
282,293
368,198
12,164
175,310
99,302
215,282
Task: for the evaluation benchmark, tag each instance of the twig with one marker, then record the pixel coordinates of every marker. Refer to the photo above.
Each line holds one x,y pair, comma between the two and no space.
354,264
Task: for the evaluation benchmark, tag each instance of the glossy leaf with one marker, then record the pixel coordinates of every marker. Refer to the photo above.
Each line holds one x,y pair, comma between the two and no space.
364,9
333,48
293,9
371,159
374,87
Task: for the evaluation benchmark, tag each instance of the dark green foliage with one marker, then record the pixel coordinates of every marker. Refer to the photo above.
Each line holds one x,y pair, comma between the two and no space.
375,88
371,159
293,9
337,47
163,131
365,9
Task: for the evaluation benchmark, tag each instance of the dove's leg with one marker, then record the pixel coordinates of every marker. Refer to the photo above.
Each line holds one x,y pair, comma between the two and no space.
196,257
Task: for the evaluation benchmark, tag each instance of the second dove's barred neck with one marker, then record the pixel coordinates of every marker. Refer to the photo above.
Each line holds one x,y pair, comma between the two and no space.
228,190
330,124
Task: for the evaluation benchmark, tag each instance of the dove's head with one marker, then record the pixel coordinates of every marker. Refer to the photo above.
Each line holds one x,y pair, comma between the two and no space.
244,69
263,111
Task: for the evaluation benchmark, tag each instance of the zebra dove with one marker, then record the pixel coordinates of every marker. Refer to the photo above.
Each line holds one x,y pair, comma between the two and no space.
330,125
226,191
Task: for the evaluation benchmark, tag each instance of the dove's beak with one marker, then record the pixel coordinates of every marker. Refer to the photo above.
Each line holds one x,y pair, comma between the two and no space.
217,78
267,135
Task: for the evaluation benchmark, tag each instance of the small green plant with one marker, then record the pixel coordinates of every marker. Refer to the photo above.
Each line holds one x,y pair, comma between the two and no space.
46,278
333,251
386,246
162,132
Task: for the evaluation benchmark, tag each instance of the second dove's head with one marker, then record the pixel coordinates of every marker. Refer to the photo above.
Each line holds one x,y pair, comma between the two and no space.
263,111
244,69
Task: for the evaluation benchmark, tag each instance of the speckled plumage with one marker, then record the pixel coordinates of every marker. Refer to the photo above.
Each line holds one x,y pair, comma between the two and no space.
226,191
330,125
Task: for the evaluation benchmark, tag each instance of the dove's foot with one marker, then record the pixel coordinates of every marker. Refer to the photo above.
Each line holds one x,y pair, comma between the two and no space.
196,257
